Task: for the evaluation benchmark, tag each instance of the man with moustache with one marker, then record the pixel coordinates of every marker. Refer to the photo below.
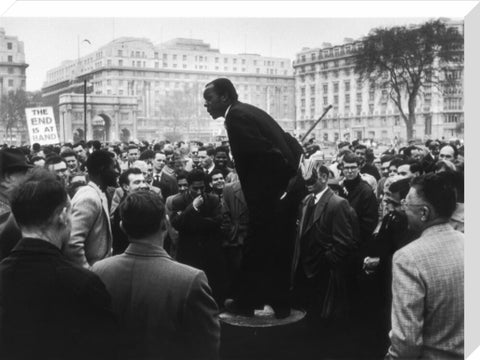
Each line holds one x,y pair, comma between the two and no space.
91,236
266,160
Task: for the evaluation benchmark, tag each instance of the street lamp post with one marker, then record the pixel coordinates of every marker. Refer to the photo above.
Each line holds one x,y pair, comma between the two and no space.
85,109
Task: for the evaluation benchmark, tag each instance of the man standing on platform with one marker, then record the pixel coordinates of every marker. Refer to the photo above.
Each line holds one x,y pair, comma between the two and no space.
266,160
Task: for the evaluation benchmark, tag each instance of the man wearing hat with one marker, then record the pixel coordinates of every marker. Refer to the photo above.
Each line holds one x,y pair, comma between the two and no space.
13,168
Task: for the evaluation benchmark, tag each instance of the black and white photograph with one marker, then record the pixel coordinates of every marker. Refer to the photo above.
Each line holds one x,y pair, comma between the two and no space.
235,180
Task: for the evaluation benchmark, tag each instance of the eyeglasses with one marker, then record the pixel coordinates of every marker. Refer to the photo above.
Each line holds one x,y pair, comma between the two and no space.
350,168
407,205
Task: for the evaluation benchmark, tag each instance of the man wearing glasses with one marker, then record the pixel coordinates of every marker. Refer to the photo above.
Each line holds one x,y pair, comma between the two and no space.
428,276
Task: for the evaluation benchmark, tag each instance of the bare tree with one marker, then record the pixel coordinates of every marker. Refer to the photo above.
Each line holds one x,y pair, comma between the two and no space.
12,111
401,59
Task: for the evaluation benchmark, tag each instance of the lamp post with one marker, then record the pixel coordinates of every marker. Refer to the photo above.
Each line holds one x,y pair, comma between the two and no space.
85,109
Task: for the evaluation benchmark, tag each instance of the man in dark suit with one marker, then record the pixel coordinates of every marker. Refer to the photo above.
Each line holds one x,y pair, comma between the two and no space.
197,217
165,309
326,238
50,309
266,160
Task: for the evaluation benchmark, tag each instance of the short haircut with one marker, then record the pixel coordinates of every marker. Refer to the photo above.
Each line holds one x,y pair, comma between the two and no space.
36,147
222,149
182,174
386,158
67,153
455,150
351,158
401,186
35,199
98,161
438,190
396,162
343,143
52,160
77,144
213,173
196,175
131,147
224,86
147,154
95,144
360,147
123,178
142,213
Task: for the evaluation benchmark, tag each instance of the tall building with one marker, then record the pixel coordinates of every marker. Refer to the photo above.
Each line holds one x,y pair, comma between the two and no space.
12,78
326,75
167,82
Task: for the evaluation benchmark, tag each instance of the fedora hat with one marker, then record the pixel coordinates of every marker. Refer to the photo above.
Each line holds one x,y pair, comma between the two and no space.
12,159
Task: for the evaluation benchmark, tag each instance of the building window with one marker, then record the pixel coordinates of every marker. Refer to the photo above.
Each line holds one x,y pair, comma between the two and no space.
335,99
359,97
120,62
347,99
10,70
10,58
371,95
174,56
370,109
9,46
359,110
335,87
225,60
347,85
302,91
109,62
325,100
10,82
119,52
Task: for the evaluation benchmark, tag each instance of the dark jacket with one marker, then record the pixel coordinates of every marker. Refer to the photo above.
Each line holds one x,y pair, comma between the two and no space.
200,238
265,156
323,248
51,309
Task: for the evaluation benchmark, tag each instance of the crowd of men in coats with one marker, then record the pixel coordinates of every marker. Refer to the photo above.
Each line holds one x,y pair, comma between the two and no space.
131,250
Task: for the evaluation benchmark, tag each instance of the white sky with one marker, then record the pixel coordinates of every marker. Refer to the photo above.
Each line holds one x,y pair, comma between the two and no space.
279,29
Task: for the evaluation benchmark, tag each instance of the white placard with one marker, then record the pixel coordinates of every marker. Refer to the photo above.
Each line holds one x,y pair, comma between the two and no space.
41,125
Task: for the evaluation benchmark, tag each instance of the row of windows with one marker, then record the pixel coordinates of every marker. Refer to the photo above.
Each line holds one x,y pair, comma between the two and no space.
11,82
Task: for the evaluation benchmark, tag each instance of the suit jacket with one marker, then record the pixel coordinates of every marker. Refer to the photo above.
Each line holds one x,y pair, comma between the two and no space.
322,248
51,309
91,235
265,158
237,213
428,296
167,183
165,309
199,238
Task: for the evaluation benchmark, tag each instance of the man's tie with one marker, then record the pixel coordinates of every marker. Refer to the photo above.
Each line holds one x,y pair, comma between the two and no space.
310,211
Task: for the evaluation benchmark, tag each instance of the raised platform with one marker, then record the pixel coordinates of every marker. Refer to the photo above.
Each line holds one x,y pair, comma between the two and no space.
262,318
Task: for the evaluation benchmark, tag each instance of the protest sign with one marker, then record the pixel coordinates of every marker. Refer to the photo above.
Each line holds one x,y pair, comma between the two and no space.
41,125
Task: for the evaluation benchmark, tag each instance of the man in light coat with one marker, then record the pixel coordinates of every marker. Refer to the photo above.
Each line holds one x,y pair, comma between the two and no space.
91,235
165,309
428,276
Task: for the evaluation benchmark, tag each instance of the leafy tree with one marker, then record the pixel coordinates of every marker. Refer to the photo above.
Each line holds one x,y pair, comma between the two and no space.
401,60
12,111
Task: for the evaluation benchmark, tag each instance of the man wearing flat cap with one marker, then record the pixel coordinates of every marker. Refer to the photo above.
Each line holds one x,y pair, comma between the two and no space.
13,168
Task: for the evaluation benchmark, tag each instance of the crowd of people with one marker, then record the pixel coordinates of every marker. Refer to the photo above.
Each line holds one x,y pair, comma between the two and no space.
131,250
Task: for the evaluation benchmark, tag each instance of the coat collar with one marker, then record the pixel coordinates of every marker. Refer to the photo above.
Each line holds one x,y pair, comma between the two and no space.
37,246
319,207
148,250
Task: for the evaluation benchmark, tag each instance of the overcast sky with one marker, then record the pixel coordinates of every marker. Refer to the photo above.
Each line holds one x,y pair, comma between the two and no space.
50,40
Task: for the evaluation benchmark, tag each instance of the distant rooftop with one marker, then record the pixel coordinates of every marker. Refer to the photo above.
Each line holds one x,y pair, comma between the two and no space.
187,44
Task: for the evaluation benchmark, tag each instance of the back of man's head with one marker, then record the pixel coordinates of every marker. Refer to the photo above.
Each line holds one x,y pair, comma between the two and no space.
439,190
37,198
98,161
142,214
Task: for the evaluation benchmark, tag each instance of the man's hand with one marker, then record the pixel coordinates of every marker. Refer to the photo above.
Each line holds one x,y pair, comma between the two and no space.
198,202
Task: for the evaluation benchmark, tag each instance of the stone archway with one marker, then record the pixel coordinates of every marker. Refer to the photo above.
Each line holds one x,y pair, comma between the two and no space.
101,127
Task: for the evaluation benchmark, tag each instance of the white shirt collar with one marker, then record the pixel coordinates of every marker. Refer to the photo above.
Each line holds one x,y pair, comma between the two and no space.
226,111
319,195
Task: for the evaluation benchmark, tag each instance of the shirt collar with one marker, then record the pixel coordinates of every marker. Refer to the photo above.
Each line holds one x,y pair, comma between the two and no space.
226,111
319,195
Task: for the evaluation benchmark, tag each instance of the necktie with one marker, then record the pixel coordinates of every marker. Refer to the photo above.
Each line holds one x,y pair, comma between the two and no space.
310,210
